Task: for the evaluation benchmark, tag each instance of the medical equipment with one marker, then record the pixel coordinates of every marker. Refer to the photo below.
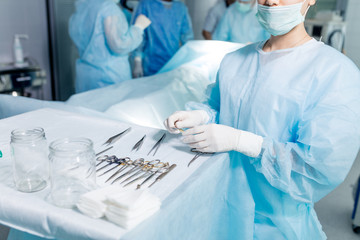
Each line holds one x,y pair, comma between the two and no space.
197,155
72,170
329,27
14,79
143,168
110,159
105,150
135,164
356,212
156,164
113,139
138,145
161,176
30,161
119,162
157,145
152,174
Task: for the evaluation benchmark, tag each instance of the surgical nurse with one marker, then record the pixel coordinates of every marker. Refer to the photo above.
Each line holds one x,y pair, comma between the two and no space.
287,112
104,40
171,28
239,24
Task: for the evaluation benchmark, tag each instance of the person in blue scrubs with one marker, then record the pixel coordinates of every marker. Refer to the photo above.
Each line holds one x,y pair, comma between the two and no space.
239,24
287,113
104,40
171,28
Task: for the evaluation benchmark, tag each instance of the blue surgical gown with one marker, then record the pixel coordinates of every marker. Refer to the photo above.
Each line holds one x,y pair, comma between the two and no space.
103,57
170,28
305,103
240,27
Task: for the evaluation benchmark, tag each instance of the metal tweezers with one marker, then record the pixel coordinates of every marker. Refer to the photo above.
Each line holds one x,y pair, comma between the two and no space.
116,137
138,145
157,145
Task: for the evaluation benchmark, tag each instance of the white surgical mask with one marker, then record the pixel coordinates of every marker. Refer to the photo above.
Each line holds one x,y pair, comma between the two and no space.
116,1
281,19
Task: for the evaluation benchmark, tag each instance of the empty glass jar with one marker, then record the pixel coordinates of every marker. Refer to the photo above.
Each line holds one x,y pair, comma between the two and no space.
29,153
72,170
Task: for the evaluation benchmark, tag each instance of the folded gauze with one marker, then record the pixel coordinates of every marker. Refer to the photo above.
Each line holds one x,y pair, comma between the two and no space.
130,207
93,203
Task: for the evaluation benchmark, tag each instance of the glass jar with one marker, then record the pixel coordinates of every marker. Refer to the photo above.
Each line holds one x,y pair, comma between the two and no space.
29,153
72,170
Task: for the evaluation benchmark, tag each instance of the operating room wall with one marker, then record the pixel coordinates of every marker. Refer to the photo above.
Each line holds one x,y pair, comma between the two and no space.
26,17
198,10
352,40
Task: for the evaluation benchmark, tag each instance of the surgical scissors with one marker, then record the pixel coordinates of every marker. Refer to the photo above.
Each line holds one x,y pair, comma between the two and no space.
152,173
116,137
137,163
144,170
157,145
197,155
122,161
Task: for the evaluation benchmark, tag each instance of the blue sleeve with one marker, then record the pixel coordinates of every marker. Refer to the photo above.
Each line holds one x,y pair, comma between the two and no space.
212,105
327,142
186,28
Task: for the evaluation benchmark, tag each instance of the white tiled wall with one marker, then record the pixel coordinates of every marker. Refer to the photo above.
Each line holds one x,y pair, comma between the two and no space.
25,17
352,41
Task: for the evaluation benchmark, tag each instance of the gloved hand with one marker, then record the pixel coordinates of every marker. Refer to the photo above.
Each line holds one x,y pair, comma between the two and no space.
185,119
138,70
221,138
142,22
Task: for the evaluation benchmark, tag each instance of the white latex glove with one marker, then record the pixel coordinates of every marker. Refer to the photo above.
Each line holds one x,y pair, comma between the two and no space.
185,119
142,22
138,70
221,138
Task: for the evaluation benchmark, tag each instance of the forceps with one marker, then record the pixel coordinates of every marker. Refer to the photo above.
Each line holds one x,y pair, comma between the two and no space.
113,139
197,155
138,145
157,145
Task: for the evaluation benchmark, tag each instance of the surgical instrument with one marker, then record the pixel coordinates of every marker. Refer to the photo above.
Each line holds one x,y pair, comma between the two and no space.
122,161
197,155
157,145
137,163
111,160
113,139
161,176
159,170
107,149
138,145
144,168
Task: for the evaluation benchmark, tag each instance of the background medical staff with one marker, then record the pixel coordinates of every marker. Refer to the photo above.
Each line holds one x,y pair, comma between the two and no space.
171,27
287,111
213,17
239,24
104,40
